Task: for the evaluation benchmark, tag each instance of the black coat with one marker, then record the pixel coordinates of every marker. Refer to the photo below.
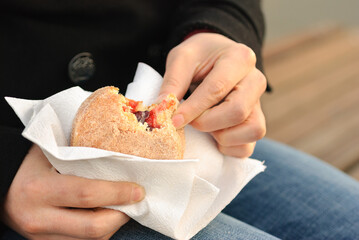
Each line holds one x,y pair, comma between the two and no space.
39,39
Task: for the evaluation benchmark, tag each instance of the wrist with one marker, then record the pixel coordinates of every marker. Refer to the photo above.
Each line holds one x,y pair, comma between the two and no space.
196,31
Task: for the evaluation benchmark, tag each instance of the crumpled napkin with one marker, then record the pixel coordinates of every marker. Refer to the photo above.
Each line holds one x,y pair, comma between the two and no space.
182,196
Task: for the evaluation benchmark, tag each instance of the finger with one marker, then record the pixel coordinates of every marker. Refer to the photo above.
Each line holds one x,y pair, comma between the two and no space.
82,223
179,73
236,107
72,191
63,237
57,237
240,151
108,236
216,85
251,130
36,157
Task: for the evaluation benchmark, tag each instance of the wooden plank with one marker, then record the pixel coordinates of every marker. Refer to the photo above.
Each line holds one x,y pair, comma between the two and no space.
315,104
310,105
329,141
302,58
322,88
309,82
313,82
276,50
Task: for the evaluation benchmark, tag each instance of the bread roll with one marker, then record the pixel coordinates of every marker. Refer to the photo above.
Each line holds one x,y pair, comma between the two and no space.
110,121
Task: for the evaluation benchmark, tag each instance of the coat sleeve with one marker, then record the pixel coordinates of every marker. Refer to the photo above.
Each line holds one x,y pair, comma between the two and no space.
240,20
13,148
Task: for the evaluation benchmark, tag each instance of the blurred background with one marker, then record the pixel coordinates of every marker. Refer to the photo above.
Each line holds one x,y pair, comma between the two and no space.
311,59
285,17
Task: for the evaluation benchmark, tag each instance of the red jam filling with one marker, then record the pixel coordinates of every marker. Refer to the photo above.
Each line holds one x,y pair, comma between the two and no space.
152,118
130,106
133,104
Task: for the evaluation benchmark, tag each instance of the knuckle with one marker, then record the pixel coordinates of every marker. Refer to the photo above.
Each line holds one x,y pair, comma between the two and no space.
258,131
31,227
220,137
197,125
94,229
246,151
85,196
181,52
172,53
241,151
243,53
239,113
248,55
262,81
200,125
172,82
217,91
32,187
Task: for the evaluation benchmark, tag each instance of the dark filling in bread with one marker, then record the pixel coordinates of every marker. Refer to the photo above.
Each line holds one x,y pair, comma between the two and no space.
151,117
142,116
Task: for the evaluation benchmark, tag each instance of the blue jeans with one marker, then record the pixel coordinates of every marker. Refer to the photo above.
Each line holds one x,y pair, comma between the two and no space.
297,197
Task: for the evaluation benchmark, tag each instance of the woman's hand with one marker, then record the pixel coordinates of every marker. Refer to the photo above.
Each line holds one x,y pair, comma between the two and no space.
226,100
43,204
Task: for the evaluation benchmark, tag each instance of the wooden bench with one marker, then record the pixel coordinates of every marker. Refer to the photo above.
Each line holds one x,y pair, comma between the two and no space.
314,105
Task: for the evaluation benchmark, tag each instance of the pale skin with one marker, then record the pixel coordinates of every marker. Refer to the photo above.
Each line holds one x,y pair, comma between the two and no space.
226,102
43,204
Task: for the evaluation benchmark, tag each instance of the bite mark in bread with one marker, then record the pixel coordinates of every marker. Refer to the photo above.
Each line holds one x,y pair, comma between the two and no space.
110,121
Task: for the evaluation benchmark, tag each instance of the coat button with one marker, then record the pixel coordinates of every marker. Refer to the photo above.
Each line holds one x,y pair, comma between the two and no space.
81,67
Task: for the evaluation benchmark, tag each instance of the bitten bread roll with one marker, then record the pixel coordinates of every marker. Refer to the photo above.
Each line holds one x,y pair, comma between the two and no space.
110,121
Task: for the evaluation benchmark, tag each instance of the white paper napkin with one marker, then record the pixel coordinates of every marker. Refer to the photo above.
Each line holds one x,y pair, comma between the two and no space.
182,196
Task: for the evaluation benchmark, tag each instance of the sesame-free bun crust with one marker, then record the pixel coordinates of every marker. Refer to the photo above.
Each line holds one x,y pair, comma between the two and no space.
105,121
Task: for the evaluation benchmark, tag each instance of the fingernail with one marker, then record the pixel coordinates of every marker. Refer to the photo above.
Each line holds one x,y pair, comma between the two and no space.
138,193
178,120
